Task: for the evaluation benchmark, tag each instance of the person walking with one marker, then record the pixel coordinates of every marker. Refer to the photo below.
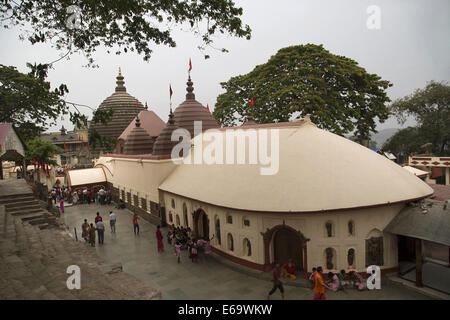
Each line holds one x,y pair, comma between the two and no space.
101,231
319,285
277,282
178,251
98,217
112,221
135,224
85,230
160,238
61,204
92,235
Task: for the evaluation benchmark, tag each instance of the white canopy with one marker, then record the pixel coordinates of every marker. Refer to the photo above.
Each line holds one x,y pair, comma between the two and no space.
85,176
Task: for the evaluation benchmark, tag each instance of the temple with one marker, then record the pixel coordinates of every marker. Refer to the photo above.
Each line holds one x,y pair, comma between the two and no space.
328,202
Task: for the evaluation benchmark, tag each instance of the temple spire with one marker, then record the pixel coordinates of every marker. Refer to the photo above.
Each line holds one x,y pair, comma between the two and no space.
120,83
138,122
190,89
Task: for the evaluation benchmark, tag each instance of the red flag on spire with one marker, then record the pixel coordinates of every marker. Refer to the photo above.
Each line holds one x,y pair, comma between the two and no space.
136,103
252,104
170,91
207,107
190,64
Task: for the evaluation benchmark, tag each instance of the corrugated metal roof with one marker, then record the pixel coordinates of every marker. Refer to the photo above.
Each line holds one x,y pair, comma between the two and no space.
412,221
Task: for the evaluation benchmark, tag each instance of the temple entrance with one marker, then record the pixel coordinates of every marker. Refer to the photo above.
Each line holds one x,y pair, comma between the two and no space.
201,224
287,244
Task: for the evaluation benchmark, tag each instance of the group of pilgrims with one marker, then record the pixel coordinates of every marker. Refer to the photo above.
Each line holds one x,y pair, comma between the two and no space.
182,239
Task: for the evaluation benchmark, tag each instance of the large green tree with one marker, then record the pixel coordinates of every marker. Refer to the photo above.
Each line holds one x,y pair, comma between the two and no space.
406,141
41,150
29,102
120,25
430,107
339,94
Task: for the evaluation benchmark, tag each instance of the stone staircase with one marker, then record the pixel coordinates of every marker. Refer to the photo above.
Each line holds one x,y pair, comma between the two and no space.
25,207
36,249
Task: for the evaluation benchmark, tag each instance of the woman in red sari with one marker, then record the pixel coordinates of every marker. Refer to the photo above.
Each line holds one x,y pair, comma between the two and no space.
159,237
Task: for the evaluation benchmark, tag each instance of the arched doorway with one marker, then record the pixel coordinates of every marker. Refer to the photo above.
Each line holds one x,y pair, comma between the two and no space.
287,244
201,224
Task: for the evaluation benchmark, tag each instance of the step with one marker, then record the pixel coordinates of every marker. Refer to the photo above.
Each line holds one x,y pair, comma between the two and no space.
14,197
24,207
42,220
22,203
24,212
32,216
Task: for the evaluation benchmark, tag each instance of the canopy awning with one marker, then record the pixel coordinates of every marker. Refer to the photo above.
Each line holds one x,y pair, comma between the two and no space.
429,221
88,176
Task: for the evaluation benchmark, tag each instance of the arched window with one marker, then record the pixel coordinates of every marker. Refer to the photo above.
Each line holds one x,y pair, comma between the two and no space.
185,216
247,248
351,228
230,242
374,248
351,257
178,220
330,258
170,217
173,204
329,229
219,241
229,219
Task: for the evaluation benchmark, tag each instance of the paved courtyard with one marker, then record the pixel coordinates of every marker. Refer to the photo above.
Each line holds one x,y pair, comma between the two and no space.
204,280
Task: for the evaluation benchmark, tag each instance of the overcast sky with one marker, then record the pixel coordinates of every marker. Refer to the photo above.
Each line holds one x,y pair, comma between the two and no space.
411,48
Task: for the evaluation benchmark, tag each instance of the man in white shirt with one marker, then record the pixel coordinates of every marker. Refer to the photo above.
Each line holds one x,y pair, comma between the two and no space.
112,221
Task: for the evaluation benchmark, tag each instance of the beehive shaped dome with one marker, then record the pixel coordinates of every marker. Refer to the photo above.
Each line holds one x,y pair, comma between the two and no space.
138,141
191,110
126,108
164,144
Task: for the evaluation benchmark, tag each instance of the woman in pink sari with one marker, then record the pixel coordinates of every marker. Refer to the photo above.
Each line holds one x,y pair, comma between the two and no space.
334,283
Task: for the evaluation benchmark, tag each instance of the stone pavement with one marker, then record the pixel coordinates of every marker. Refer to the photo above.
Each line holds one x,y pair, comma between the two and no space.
203,280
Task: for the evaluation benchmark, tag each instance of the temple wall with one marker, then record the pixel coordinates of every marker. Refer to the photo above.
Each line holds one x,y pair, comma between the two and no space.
367,223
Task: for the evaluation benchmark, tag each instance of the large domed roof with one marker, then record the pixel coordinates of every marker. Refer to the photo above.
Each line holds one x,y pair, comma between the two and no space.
125,110
318,171
191,110
138,141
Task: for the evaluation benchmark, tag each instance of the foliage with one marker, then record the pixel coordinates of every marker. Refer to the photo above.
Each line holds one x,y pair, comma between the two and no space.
406,141
106,143
28,102
120,25
430,107
42,150
302,79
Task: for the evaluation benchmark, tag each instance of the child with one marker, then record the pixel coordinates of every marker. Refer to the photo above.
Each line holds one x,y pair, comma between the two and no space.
178,250
311,277
194,253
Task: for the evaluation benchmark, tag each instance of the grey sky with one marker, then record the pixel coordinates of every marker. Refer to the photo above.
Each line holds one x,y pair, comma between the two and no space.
411,48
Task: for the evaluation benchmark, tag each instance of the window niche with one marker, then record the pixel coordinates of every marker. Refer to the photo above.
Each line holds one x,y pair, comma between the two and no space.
329,229
230,242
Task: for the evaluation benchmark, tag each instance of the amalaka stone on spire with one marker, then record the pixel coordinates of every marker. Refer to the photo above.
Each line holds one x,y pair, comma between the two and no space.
120,83
190,89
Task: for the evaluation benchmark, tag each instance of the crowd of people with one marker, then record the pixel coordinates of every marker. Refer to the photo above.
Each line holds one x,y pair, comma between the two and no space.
90,230
334,282
94,195
182,239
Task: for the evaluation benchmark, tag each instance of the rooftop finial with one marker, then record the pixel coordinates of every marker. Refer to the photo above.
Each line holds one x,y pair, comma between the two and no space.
190,89
120,83
146,106
138,122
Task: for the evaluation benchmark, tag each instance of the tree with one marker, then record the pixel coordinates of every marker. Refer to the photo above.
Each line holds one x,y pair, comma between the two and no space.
41,150
120,25
28,102
405,142
430,107
302,79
